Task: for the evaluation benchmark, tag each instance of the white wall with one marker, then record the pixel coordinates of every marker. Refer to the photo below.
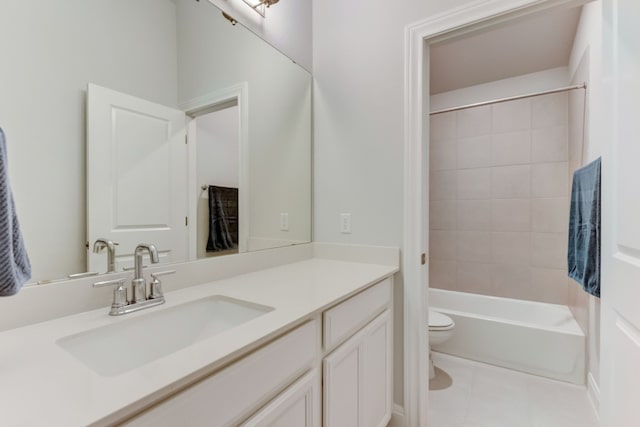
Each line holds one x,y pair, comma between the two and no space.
520,85
50,51
586,60
287,26
358,63
217,157
217,149
279,111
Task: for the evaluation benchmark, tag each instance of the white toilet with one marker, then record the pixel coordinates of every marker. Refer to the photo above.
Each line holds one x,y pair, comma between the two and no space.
440,330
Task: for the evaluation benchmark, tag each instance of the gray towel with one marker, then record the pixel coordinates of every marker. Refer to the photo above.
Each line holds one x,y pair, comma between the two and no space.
15,268
223,219
584,228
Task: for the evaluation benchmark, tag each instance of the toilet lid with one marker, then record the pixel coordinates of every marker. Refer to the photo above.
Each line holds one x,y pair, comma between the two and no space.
439,321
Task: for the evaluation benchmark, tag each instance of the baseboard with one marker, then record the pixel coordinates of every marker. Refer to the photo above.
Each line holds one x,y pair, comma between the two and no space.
397,417
594,393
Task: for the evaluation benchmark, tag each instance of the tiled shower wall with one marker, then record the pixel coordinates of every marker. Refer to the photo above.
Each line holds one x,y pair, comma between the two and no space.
499,199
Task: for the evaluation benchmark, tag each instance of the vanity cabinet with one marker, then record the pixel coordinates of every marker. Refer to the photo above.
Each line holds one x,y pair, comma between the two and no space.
357,375
230,395
294,381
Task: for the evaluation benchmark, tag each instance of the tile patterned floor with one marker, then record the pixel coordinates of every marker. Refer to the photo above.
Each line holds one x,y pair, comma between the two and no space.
472,394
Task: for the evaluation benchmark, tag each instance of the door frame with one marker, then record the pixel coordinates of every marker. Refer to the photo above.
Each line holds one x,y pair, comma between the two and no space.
417,37
201,105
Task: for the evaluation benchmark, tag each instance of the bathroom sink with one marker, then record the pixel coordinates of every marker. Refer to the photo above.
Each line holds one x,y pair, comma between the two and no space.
131,343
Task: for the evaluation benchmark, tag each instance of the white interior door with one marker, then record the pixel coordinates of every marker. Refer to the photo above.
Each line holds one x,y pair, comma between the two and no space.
620,342
136,177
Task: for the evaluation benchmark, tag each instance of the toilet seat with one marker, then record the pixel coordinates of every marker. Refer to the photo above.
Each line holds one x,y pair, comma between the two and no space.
439,321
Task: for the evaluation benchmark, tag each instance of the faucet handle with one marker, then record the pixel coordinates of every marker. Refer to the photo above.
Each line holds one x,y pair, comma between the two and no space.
102,243
119,293
162,273
156,284
133,268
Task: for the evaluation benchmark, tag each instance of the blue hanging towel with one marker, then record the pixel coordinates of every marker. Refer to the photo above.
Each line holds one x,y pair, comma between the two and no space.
15,268
584,228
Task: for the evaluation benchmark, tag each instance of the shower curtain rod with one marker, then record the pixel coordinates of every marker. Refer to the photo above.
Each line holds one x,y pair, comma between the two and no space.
511,98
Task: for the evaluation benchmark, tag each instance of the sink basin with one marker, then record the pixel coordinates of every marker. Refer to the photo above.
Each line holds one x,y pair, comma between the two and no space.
129,344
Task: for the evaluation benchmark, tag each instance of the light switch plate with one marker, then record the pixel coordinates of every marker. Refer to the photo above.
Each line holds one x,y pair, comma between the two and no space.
345,223
284,222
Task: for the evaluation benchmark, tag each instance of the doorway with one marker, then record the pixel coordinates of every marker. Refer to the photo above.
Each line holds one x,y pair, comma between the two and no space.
419,37
219,157
216,140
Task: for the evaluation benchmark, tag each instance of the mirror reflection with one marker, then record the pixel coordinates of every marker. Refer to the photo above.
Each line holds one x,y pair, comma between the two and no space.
152,121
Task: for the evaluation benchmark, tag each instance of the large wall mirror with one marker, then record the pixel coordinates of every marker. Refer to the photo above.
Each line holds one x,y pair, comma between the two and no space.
150,121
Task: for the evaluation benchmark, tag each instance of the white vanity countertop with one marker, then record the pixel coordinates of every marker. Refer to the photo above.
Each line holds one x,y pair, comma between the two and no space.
42,384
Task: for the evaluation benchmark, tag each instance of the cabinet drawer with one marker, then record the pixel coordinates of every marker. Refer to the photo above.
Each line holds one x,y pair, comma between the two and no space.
229,395
343,320
298,406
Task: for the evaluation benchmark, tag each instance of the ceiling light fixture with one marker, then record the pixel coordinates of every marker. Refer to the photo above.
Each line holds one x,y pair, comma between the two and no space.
260,6
229,18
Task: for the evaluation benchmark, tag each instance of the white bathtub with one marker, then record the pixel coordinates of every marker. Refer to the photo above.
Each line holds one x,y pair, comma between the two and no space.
538,338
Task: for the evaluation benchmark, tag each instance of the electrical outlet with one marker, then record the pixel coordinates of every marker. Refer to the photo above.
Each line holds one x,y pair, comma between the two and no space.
345,223
284,222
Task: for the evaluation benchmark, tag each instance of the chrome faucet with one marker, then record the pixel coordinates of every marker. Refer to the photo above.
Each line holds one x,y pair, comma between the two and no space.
139,300
139,284
102,243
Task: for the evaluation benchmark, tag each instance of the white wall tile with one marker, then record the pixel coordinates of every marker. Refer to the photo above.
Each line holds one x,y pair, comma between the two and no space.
511,116
511,281
549,180
442,245
443,185
513,148
511,248
474,277
474,183
549,285
474,246
549,250
550,215
474,152
474,121
442,215
550,144
550,110
442,155
511,215
443,126
508,182
474,215
442,274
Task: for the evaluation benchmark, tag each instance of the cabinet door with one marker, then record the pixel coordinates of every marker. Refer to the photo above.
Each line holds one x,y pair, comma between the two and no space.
341,375
376,376
358,378
297,406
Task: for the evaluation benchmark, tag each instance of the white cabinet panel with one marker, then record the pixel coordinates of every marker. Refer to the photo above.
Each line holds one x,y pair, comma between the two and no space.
376,371
228,396
297,406
358,376
346,318
341,386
